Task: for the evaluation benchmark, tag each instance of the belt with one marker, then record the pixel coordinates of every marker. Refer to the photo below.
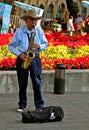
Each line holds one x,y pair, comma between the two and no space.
36,55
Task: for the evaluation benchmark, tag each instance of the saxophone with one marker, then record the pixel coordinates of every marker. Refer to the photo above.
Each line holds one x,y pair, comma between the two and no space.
30,53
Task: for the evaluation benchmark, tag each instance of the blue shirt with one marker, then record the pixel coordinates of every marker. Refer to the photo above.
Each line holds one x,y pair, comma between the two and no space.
20,41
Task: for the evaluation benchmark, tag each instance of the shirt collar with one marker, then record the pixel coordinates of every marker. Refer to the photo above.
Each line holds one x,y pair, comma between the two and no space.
25,29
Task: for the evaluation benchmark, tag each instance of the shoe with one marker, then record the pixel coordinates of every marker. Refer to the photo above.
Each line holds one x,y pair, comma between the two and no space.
20,109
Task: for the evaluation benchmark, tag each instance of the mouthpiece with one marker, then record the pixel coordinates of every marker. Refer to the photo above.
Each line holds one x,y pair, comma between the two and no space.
33,26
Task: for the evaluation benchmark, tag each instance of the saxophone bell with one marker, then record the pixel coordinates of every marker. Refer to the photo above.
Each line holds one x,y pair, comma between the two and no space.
31,54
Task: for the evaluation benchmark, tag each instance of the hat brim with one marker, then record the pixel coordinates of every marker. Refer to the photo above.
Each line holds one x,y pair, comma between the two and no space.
26,17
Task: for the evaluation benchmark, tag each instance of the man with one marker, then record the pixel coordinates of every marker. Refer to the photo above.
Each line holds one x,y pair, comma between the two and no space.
19,46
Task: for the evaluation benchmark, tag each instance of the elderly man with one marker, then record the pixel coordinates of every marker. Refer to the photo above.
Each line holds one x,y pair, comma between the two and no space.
29,38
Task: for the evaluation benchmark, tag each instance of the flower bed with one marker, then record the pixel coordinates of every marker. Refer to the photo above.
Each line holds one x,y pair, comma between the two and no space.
73,51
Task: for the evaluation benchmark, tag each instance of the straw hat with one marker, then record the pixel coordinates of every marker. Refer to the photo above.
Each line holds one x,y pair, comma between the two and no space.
31,14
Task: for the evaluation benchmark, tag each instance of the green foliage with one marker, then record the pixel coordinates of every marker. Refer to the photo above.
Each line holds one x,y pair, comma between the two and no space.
69,2
74,9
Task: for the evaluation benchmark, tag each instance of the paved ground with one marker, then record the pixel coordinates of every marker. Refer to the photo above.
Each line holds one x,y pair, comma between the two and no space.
75,105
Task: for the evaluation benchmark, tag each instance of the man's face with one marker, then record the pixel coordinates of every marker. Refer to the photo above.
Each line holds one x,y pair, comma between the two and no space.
31,22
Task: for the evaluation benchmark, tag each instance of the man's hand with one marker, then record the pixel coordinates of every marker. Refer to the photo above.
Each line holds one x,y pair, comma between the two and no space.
23,56
35,46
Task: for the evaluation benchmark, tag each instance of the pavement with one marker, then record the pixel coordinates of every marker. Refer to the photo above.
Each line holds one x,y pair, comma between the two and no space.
75,105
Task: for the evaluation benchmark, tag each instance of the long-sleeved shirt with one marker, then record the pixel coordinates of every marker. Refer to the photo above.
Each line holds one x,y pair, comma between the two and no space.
20,41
